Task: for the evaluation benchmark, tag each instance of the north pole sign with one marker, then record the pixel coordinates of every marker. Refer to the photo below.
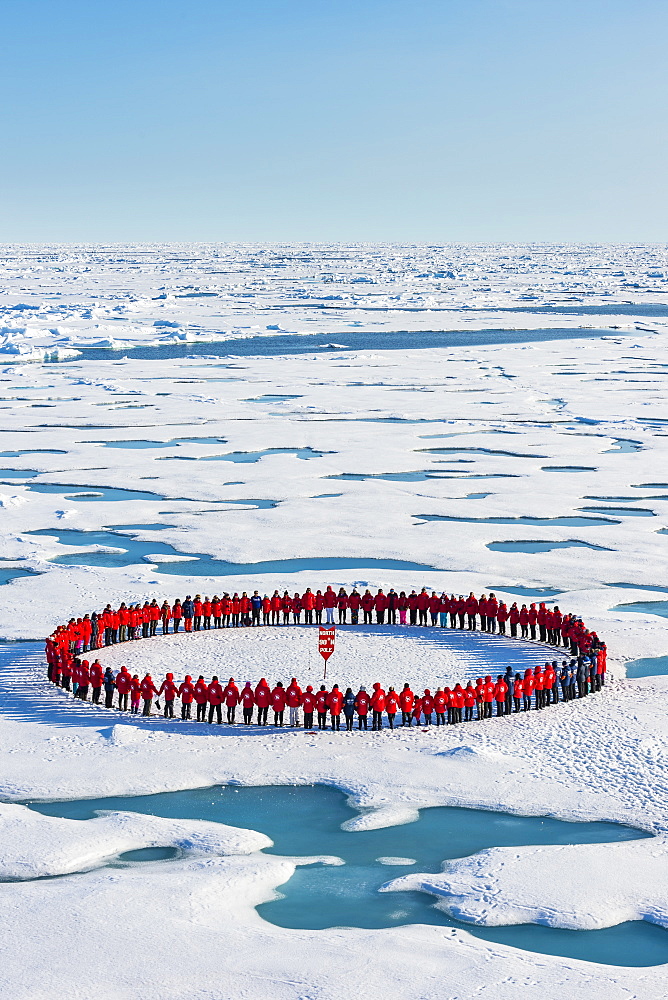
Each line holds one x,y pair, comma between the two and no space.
326,640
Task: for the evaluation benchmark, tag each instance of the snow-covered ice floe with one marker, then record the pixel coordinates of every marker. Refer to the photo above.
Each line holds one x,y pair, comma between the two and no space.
538,431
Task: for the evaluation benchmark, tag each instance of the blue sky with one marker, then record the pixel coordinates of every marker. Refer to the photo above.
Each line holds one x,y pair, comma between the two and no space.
391,120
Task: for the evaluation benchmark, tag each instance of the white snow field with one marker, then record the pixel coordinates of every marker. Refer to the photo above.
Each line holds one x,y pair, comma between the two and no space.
181,467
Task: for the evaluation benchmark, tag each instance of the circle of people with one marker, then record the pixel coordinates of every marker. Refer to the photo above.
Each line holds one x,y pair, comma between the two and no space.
582,674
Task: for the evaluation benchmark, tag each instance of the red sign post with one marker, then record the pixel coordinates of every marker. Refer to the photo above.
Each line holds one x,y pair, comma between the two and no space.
326,644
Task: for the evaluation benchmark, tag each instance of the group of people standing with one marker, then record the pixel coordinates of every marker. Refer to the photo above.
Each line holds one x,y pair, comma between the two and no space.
136,621
537,687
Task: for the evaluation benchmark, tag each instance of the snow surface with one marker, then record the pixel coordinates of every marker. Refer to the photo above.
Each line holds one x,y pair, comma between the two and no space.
543,885
514,412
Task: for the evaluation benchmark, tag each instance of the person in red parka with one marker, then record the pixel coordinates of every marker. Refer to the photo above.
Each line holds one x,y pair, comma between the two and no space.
308,604
247,703
322,704
170,691
354,603
514,619
215,699
276,606
147,689
232,699
266,609
391,705
367,606
330,604
502,618
378,707
434,607
308,704
524,621
406,701
96,676
422,604
262,699
123,686
342,605
319,604
427,706
488,692
335,704
278,703
458,700
380,604
440,706
187,695
472,610
135,694
469,701
362,703
84,680
500,692
201,695
293,699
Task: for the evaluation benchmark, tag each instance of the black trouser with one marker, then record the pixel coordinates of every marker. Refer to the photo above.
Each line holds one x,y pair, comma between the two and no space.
336,722
349,722
278,718
147,706
144,630
265,617
122,701
527,702
165,626
380,616
453,619
83,692
95,696
555,695
367,616
491,624
275,617
262,716
543,633
295,617
412,616
440,718
342,616
318,617
487,710
248,716
406,718
322,720
468,712
471,619
230,713
390,719
517,704
197,622
502,628
391,616
66,681
308,616
427,718
109,697
377,722
177,624
206,622
500,708
509,701
219,713
185,709
153,626
217,621
572,691
361,721
201,711
255,616
422,616
169,709
565,691
513,630
457,714
308,720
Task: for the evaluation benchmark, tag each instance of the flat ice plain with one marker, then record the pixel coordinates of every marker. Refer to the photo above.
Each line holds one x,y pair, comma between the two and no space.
422,456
